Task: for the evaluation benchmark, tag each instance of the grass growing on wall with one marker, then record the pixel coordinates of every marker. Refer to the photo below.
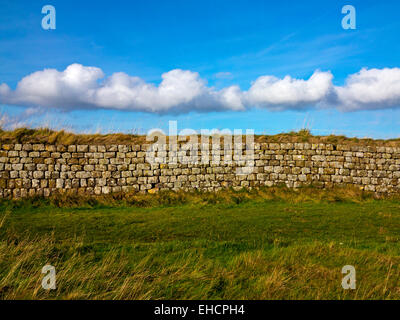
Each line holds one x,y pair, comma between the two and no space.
267,244
49,136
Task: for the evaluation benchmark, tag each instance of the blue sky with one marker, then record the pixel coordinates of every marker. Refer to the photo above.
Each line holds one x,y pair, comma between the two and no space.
228,43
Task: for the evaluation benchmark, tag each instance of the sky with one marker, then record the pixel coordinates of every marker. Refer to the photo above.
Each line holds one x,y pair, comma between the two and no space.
270,66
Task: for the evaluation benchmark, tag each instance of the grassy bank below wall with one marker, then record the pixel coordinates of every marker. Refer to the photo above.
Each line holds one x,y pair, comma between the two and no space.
266,244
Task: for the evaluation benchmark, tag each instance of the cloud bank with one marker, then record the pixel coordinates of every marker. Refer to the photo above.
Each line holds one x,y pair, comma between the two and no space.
180,91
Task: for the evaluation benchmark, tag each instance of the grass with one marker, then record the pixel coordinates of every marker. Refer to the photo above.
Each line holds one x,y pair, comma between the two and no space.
45,135
262,244
48,136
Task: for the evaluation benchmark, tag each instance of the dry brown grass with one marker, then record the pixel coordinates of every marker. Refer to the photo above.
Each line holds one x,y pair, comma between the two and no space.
25,135
297,272
44,135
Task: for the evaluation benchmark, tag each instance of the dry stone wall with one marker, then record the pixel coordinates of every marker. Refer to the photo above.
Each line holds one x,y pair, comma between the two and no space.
38,169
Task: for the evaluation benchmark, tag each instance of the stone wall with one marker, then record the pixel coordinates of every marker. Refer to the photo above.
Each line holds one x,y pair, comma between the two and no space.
29,169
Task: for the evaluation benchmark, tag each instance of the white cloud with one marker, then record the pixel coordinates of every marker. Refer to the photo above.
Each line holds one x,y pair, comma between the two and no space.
80,87
370,89
22,119
288,93
182,91
51,88
178,89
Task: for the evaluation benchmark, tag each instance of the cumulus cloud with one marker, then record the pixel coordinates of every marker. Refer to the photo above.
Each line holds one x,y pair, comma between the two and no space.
182,91
288,93
81,87
51,88
370,89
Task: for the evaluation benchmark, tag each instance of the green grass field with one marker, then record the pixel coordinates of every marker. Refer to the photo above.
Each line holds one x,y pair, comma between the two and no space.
227,246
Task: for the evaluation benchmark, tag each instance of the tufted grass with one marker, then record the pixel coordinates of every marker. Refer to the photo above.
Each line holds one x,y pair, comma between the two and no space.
261,244
73,198
49,136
